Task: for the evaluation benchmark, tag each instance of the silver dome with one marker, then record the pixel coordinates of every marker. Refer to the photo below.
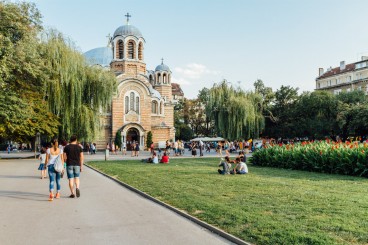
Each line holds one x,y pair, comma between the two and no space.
99,56
162,67
127,30
154,92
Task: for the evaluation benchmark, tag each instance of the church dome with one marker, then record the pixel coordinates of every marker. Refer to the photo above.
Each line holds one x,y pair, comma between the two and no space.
162,67
127,30
99,56
154,93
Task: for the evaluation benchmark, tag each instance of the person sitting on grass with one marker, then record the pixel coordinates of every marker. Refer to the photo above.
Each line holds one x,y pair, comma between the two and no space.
165,158
226,166
240,168
154,158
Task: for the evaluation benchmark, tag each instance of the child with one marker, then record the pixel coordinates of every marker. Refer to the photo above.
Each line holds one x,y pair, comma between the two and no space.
42,166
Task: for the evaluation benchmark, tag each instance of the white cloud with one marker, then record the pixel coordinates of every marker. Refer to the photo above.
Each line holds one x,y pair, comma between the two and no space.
180,80
194,71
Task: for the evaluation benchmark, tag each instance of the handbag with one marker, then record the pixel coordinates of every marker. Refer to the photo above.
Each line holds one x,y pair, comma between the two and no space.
58,165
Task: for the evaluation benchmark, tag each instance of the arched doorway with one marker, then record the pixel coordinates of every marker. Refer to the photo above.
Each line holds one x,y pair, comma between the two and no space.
132,136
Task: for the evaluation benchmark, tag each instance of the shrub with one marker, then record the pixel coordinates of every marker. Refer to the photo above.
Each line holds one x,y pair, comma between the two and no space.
324,156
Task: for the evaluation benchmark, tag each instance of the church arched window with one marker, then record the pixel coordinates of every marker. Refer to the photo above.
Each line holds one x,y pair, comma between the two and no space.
164,78
159,78
151,79
132,101
121,49
137,105
154,107
140,51
126,104
131,49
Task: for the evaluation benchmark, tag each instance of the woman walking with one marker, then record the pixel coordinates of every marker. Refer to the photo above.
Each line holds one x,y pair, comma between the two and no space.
51,155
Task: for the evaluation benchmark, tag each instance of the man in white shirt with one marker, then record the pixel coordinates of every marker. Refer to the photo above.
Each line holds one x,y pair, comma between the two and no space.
241,167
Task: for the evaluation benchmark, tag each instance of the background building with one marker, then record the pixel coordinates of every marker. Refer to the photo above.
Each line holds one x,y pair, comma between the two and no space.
346,77
144,98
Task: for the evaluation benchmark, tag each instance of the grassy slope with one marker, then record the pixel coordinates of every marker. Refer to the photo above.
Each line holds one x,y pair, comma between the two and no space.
267,206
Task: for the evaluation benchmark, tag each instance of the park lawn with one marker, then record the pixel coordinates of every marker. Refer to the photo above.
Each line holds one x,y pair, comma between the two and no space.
266,206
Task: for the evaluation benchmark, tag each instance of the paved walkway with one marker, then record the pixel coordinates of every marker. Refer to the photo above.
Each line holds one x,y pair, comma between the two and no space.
106,213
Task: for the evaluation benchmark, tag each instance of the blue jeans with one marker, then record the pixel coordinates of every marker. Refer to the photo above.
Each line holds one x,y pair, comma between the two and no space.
54,175
73,171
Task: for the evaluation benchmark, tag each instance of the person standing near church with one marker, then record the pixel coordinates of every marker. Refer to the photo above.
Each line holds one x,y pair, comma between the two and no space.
73,155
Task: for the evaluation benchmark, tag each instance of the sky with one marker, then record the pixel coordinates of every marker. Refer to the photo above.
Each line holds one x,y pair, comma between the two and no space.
282,42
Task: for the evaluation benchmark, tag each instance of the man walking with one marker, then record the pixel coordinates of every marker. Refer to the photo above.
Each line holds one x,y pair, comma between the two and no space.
73,155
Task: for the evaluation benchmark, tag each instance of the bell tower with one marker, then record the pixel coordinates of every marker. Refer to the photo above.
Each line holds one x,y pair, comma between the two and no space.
128,50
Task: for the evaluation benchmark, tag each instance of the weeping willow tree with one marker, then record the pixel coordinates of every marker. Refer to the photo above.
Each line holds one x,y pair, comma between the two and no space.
237,114
75,91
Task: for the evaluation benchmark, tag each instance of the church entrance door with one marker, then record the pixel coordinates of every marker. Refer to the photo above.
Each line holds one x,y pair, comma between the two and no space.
132,137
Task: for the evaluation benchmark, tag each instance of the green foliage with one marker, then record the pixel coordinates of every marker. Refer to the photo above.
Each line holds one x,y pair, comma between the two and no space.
266,206
149,139
23,111
118,142
236,113
76,92
184,132
334,158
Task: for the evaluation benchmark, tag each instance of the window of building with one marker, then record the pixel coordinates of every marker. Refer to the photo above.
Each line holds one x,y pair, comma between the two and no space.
121,49
337,91
131,53
359,88
126,104
348,90
164,78
137,104
154,107
132,101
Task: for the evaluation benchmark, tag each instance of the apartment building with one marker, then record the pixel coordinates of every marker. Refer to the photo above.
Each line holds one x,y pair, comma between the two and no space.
346,77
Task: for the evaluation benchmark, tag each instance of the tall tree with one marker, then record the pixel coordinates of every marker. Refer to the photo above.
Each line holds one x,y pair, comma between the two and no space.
76,92
23,112
236,113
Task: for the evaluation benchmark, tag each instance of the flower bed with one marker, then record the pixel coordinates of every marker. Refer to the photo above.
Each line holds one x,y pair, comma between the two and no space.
324,156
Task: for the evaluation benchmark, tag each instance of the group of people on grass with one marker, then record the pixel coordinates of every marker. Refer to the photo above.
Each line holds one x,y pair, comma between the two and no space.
155,159
239,168
71,155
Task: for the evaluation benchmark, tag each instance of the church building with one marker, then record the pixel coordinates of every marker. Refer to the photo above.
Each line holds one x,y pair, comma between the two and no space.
144,99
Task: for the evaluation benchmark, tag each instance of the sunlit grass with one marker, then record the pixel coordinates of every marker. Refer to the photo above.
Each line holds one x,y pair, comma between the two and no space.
267,206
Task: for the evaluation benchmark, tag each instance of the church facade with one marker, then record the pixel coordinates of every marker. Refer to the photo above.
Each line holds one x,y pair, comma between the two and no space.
143,101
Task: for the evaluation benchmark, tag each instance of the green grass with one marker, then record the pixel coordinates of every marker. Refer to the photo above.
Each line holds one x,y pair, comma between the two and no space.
266,206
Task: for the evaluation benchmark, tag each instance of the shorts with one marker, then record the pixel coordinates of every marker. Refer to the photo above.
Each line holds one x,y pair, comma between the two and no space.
42,166
73,171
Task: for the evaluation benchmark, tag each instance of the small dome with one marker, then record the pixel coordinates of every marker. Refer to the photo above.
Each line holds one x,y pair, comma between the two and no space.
154,93
127,30
99,56
162,67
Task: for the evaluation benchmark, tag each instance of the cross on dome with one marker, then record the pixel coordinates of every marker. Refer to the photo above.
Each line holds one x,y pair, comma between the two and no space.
128,16
162,61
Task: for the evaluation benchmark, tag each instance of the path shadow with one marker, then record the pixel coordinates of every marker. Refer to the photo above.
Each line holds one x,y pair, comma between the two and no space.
24,195
18,177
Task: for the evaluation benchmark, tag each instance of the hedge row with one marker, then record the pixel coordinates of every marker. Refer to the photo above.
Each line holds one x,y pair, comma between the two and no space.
325,157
